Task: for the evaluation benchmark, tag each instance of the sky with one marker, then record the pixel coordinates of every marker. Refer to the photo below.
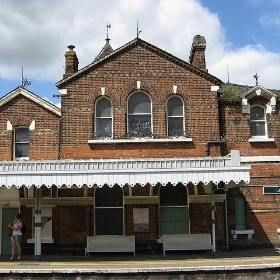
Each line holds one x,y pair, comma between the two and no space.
243,37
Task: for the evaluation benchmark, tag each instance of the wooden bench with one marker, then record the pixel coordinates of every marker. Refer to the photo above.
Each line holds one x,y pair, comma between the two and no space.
174,242
109,244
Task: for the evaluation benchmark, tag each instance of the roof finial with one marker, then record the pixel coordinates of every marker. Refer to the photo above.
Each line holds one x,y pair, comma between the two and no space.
138,31
257,78
24,81
108,26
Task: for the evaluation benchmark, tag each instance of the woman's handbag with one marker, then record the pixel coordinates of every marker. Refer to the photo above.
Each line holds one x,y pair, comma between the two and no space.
9,231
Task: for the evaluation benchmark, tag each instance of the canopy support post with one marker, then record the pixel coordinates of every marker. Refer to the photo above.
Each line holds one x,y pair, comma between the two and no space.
38,224
226,219
213,222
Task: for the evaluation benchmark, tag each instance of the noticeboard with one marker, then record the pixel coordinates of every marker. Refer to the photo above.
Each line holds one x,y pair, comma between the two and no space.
271,190
141,219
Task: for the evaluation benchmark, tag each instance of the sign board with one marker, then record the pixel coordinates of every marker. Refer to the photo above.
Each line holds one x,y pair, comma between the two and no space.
271,189
141,219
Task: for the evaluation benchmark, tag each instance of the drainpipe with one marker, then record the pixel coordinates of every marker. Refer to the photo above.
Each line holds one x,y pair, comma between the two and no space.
59,137
220,142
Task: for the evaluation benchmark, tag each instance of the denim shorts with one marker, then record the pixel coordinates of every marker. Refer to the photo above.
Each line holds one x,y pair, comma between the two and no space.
16,238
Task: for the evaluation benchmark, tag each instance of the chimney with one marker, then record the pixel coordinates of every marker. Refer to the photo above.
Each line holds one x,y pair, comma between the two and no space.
71,62
197,54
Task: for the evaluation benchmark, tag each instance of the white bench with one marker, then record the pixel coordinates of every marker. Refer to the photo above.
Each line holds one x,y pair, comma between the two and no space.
109,244
248,232
174,242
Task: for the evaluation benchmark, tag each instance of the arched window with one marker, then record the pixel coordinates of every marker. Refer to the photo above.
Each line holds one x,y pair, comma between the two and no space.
258,122
21,143
103,118
139,115
175,116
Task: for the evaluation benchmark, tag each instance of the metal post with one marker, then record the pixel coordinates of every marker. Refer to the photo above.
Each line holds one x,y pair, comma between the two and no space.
213,222
226,220
38,224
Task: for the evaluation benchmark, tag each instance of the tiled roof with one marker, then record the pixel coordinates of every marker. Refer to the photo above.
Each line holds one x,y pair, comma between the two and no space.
106,50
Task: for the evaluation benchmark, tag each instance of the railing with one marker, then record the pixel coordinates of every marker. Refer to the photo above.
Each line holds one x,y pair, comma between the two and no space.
116,164
140,133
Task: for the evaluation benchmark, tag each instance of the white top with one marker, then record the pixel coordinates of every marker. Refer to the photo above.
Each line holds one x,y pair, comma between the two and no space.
17,232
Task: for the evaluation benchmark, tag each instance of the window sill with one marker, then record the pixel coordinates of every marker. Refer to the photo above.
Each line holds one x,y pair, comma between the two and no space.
21,158
139,140
264,139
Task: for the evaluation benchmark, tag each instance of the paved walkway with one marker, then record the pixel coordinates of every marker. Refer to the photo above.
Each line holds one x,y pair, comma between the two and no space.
250,259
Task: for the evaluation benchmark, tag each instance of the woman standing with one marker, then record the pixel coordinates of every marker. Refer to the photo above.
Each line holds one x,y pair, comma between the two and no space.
16,236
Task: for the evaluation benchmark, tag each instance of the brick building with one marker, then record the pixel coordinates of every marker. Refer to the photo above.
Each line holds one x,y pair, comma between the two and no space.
145,144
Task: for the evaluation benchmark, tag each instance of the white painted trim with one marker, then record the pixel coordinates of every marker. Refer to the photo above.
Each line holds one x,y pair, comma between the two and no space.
63,91
265,139
260,159
214,88
28,94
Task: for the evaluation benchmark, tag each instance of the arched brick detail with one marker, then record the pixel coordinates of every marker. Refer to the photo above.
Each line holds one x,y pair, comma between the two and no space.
132,86
20,121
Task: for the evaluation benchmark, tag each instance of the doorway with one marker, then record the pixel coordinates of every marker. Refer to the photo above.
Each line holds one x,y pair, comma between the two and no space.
8,217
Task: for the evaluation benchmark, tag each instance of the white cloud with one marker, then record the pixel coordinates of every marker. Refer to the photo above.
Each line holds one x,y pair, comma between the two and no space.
35,35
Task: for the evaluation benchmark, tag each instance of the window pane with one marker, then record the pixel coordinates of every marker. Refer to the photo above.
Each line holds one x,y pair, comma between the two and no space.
22,135
106,196
173,195
103,108
109,221
175,126
258,129
103,127
175,107
139,103
21,150
257,113
139,124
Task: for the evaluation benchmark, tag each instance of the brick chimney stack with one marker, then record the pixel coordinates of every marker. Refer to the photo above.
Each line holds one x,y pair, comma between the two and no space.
197,54
71,62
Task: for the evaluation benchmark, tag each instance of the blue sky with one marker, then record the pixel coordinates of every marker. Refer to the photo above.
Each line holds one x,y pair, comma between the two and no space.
242,36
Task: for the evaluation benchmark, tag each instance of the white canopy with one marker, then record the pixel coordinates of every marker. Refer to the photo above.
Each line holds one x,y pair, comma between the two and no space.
92,173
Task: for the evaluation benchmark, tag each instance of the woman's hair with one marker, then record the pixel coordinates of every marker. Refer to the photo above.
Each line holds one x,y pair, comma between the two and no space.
18,216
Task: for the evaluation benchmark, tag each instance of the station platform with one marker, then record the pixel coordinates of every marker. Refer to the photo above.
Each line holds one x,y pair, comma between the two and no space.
244,263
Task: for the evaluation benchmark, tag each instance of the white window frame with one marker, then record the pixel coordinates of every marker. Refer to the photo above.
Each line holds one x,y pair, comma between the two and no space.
143,114
182,116
96,118
265,136
23,142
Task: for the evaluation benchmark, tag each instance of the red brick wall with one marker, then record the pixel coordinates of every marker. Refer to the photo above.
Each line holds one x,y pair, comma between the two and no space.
157,76
43,140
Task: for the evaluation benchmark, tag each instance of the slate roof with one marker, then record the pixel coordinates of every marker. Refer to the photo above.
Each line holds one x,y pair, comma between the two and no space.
106,50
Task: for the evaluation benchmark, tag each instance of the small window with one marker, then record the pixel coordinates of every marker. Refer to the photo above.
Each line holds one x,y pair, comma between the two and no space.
103,118
175,117
258,122
139,118
21,143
